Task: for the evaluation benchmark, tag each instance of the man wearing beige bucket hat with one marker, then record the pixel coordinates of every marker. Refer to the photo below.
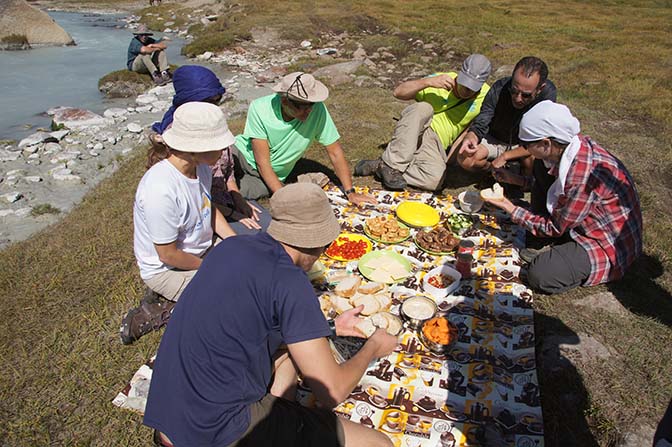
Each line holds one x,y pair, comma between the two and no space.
219,378
173,216
148,55
278,131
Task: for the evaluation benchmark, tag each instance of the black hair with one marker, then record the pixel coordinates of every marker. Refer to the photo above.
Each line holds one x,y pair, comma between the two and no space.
530,65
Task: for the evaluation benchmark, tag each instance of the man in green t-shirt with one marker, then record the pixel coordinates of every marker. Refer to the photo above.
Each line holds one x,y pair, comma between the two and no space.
424,139
278,130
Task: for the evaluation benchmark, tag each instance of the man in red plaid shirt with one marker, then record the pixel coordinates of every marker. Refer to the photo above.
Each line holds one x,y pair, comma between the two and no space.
593,206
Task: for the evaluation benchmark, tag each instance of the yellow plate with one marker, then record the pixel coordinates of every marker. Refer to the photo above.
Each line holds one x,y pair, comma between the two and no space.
417,214
351,237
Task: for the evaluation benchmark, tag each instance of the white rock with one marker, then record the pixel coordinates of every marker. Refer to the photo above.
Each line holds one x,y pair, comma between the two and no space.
5,213
126,151
14,172
167,30
73,118
94,153
89,145
146,99
112,140
33,178
50,148
67,177
134,127
161,105
59,134
115,112
306,44
130,109
162,90
23,212
34,139
61,169
143,109
65,157
34,156
205,56
12,196
8,156
31,149
98,147
72,163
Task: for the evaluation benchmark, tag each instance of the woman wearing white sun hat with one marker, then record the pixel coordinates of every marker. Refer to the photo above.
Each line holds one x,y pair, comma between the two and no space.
173,217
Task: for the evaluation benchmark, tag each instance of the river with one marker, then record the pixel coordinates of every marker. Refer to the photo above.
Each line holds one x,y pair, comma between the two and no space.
35,80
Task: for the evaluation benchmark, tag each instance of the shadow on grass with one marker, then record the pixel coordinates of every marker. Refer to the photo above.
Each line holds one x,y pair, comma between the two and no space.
639,292
306,165
564,396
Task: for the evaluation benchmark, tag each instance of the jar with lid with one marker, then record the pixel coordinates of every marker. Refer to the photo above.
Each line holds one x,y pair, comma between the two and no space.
463,264
466,246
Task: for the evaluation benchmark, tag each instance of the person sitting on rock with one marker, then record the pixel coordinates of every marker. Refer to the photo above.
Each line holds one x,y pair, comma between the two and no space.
592,208
197,83
278,130
226,370
492,140
173,216
424,138
146,55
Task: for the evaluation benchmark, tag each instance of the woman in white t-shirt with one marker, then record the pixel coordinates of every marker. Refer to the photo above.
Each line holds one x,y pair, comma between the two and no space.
173,216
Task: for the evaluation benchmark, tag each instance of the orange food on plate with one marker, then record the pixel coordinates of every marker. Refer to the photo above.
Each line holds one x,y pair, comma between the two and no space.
438,331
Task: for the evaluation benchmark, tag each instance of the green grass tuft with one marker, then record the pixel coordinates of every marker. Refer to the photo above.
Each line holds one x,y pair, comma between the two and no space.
44,208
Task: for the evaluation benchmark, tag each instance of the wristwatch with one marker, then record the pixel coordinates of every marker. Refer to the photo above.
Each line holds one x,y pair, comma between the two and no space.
347,192
332,327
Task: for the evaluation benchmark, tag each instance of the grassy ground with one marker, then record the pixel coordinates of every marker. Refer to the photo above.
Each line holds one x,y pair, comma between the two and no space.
67,289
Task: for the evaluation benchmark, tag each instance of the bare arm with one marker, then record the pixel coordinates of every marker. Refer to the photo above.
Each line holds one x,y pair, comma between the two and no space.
513,154
407,90
152,47
342,168
220,225
170,255
262,156
330,381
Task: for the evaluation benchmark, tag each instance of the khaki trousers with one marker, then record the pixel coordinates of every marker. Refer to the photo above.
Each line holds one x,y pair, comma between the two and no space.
416,150
171,283
146,63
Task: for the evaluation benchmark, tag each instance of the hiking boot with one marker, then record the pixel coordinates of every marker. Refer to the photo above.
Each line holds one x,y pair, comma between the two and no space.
151,297
391,178
528,254
166,76
364,168
158,79
145,318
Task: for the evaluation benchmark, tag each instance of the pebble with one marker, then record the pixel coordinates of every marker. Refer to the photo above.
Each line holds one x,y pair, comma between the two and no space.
98,147
51,148
33,178
12,196
133,127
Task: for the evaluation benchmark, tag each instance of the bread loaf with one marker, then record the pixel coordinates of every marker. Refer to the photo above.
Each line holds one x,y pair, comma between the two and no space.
370,303
348,287
494,193
370,288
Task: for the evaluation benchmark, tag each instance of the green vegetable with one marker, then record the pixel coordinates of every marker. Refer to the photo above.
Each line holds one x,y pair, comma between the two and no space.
459,222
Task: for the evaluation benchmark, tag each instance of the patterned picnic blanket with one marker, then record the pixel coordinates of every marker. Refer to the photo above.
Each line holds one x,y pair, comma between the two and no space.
485,391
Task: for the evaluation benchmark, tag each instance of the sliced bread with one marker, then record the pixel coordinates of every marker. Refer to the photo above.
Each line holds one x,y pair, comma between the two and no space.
348,286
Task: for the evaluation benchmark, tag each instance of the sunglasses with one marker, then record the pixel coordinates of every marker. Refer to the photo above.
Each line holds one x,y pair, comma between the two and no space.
525,95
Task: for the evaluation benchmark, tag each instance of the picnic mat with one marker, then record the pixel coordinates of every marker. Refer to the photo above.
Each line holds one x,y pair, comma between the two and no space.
485,390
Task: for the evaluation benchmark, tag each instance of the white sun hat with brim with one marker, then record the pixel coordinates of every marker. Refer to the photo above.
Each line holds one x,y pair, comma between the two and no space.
198,127
302,87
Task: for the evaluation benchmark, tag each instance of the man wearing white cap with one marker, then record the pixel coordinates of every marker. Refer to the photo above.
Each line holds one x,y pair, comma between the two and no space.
424,139
592,207
219,379
278,130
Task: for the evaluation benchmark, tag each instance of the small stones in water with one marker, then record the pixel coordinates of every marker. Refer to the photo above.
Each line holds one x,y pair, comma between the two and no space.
133,127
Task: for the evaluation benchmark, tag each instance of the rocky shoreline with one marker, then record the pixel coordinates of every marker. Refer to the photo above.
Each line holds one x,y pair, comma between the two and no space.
48,173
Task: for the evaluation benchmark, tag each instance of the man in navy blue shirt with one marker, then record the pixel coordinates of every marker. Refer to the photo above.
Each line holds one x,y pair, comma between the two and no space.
148,55
220,379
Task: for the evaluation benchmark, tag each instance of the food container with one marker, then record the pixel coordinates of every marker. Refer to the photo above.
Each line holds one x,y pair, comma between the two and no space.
441,292
433,346
470,201
416,310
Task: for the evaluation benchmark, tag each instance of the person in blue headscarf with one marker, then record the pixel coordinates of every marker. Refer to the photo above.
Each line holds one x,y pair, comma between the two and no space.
197,83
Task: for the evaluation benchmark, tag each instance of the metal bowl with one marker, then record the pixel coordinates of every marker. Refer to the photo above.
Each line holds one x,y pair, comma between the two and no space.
414,321
438,348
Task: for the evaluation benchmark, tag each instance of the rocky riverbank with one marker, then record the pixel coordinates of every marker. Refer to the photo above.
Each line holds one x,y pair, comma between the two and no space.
48,173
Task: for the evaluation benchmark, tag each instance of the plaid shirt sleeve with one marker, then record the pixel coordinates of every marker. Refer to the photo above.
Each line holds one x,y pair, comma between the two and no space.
600,208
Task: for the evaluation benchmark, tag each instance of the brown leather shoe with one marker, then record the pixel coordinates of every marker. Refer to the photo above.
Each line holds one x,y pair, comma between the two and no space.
145,318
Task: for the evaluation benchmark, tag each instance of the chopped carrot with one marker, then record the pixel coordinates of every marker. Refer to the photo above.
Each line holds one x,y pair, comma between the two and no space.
438,330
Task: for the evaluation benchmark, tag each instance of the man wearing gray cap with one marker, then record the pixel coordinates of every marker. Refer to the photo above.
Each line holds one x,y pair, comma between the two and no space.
220,379
424,139
148,55
278,131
